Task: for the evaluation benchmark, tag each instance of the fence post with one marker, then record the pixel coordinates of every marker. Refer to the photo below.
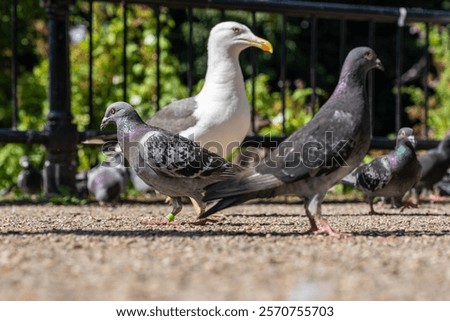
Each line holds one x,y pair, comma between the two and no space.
60,165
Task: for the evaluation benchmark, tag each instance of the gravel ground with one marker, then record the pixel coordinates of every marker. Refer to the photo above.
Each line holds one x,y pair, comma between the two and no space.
253,252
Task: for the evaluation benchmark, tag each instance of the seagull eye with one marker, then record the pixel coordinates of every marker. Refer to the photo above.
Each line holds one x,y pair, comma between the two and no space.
369,55
113,111
236,30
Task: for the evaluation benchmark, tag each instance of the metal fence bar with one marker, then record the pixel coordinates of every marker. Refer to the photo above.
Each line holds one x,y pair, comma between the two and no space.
425,80
342,40
253,89
282,81
60,165
124,51
158,56
91,67
14,71
370,80
313,63
190,57
322,10
398,68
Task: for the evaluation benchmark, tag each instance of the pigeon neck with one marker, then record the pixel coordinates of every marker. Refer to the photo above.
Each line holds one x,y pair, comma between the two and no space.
127,124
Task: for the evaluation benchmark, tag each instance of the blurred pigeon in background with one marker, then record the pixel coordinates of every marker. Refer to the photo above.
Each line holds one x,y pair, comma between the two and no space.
315,157
108,181
434,166
172,164
30,179
391,175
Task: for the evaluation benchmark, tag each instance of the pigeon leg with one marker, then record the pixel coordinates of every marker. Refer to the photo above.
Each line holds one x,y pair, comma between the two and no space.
372,211
199,207
313,209
408,204
177,206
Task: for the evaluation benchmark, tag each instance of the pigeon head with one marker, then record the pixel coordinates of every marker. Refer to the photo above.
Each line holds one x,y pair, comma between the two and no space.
359,61
117,112
445,144
235,37
406,136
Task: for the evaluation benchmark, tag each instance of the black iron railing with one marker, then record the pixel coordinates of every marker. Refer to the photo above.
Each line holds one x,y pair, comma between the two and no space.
61,137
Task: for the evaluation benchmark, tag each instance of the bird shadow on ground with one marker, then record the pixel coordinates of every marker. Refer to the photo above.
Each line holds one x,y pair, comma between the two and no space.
400,233
197,233
151,233
389,214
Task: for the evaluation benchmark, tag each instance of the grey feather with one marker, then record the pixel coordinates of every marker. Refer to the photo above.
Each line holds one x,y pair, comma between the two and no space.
316,156
176,117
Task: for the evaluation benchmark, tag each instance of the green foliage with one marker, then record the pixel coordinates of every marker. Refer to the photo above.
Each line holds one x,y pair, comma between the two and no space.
439,102
268,104
66,197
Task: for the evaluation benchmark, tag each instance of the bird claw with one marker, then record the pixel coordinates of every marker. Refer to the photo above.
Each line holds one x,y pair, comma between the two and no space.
204,221
324,229
408,205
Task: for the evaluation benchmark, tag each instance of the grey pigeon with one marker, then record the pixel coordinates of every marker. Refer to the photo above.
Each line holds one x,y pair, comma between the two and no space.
107,181
172,164
218,117
391,175
434,165
29,179
316,156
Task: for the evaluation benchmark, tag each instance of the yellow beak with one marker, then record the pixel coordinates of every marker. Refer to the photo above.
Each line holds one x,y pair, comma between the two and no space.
261,43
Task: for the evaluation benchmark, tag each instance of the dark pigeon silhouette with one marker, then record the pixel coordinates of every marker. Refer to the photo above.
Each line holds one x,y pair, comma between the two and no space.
172,164
30,179
434,165
315,157
391,175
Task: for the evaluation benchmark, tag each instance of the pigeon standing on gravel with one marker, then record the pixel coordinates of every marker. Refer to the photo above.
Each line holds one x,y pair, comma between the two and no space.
434,165
108,181
218,117
172,164
391,175
316,156
29,179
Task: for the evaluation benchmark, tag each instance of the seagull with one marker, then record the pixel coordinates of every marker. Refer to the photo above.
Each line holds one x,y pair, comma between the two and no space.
434,165
218,117
315,157
29,179
391,175
172,164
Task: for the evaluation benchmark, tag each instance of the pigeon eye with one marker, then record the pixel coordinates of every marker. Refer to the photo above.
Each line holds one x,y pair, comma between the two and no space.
236,30
369,55
113,111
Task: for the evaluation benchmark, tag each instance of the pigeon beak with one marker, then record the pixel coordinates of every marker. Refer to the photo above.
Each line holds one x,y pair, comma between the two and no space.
105,121
378,64
412,140
260,43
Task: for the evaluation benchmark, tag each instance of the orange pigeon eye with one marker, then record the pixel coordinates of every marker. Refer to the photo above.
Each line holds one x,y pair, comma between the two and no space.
113,111
369,55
